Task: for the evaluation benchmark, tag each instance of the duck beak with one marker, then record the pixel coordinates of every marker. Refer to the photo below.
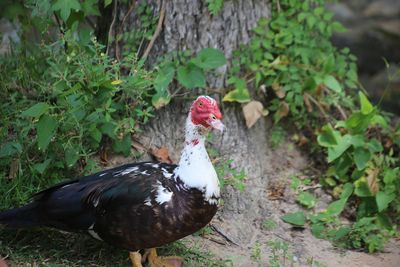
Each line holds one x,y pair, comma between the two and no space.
218,125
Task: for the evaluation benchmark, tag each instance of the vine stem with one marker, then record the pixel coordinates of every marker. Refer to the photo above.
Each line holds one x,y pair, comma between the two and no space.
157,31
121,27
110,31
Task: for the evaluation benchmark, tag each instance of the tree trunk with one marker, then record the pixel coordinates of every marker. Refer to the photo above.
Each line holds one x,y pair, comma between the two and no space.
189,25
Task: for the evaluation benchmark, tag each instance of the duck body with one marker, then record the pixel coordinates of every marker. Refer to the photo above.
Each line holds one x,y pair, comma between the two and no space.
139,205
134,206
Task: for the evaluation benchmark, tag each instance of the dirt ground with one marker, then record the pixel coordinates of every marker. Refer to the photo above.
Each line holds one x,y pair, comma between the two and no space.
266,197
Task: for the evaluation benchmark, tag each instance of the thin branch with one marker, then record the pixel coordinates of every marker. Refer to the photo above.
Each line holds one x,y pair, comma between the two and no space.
223,235
121,28
318,105
157,31
110,31
341,111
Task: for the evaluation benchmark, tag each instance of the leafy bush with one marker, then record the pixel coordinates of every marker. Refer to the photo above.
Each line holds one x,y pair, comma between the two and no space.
291,61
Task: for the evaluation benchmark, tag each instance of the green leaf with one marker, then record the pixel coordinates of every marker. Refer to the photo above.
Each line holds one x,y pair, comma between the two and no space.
191,76
36,110
295,218
214,6
107,2
390,176
328,136
361,157
90,8
71,156
46,128
164,78
123,146
306,199
239,94
95,134
10,149
343,144
209,58
317,230
359,122
338,27
362,188
332,83
383,200
336,207
65,7
41,167
347,191
366,106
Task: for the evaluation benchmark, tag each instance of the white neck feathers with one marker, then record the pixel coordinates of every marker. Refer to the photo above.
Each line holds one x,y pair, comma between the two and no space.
195,168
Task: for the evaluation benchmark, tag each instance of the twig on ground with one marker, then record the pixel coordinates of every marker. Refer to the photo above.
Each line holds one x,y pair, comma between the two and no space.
157,31
223,235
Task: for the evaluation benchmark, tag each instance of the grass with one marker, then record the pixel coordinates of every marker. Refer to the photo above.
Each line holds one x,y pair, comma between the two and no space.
46,247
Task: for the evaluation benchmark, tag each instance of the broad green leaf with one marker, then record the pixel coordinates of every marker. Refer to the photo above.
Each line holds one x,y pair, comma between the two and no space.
357,123
328,137
10,149
65,7
41,167
90,8
317,229
46,128
332,83
107,2
296,218
361,157
160,99
341,232
366,106
383,200
164,77
123,146
336,207
357,140
191,76
95,133
391,175
362,188
209,58
239,94
109,129
336,151
379,120
347,191
71,156
306,199
36,110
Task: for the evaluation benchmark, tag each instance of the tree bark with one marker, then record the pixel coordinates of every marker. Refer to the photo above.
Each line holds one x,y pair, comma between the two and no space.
189,25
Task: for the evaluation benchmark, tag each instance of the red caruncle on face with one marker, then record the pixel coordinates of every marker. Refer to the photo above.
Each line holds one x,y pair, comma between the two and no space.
205,110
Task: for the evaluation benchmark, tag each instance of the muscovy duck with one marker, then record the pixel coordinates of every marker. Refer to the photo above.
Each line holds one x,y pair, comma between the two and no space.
140,205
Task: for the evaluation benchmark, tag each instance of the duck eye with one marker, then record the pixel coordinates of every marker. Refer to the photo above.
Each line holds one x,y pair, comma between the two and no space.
200,104
213,117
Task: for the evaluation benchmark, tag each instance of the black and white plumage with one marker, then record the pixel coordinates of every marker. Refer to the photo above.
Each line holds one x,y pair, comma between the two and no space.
139,205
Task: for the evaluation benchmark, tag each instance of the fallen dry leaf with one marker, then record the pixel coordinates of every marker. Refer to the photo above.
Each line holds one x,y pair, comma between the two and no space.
278,90
252,112
307,102
372,179
14,167
161,154
283,110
